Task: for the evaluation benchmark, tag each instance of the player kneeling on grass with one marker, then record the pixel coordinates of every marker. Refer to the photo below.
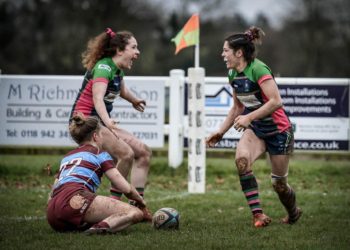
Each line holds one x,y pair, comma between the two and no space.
73,204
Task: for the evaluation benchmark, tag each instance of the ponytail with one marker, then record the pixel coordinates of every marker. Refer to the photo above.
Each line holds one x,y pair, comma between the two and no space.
246,42
254,34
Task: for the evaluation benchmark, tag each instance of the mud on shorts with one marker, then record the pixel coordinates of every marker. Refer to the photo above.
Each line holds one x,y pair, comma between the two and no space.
67,208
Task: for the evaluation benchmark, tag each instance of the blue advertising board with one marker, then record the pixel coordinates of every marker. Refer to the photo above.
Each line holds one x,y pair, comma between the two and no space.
318,110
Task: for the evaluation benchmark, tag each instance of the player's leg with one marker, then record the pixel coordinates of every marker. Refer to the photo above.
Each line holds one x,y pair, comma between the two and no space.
143,154
249,148
286,194
279,148
110,215
121,152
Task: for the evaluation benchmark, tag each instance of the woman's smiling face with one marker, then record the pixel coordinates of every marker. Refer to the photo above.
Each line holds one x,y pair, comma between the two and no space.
129,54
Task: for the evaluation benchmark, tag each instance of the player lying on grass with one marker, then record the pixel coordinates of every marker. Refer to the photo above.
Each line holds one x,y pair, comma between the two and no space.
257,111
74,205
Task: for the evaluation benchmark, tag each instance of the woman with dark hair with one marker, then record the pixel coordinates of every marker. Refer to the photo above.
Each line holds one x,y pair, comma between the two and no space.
257,112
73,203
105,59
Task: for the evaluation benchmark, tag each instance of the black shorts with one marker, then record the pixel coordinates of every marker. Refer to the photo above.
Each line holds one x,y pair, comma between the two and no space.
279,144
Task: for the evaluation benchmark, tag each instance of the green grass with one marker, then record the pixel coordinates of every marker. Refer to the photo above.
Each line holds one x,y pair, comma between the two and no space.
218,219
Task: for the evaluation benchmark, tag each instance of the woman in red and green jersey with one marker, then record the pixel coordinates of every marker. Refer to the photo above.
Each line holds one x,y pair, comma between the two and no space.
106,57
258,113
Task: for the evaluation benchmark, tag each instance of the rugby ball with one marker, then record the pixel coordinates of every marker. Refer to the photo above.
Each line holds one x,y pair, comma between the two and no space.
166,218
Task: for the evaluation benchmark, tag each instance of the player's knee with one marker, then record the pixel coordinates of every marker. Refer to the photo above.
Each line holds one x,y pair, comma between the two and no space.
146,152
127,156
145,156
280,184
242,164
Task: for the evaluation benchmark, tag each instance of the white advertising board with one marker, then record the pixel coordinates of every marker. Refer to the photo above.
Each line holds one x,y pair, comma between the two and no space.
35,109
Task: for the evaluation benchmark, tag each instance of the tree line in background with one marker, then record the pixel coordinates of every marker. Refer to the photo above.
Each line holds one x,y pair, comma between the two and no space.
48,37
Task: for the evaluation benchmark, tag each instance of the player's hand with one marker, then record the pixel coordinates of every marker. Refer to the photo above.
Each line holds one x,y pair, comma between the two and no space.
141,204
147,215
139,105
213,139
112,126
241,123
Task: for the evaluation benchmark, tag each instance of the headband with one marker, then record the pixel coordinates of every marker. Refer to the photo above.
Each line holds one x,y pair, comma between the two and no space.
249,35
110,32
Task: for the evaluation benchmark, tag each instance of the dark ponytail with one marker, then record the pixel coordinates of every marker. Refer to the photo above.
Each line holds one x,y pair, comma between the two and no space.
246,42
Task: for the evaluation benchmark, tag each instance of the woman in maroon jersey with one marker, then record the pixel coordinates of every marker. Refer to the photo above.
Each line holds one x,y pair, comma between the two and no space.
73,203
105,59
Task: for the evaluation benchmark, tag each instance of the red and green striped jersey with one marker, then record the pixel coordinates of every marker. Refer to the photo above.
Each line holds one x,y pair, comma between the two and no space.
104,71
246,85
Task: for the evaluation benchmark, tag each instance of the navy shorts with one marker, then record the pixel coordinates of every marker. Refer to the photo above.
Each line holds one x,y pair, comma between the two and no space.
280,143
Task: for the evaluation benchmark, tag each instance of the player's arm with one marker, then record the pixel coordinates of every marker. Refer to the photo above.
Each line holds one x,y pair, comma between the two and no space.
126,94
270,90
235,110
98,92
125,187
51,191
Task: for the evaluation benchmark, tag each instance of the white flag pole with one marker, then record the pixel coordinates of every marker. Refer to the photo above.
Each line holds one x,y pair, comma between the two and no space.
196,56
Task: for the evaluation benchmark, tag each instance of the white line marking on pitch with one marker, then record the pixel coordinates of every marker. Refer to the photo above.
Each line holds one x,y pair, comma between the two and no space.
169,197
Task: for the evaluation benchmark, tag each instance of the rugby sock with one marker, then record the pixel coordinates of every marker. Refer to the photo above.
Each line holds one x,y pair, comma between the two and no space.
99,228
115,194
287,197
251,192
141,191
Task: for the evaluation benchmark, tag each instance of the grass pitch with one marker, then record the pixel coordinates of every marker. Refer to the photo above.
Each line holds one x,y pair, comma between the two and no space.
218,219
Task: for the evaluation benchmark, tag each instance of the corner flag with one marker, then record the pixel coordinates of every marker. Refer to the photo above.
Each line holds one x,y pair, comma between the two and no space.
189,35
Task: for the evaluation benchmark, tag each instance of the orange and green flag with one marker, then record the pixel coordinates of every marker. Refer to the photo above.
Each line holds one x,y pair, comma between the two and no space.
189,35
